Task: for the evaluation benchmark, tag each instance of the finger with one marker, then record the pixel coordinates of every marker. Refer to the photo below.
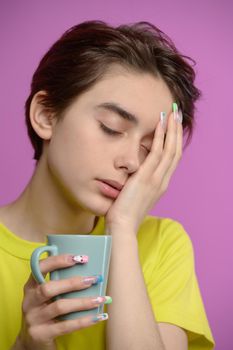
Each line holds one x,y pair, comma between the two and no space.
156,151
169,151
53,330
44,292
65,306
158,140
56,262
46,265
51,263
179,148
65,327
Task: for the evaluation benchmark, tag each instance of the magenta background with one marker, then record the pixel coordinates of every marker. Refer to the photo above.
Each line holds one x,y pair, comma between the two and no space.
200,194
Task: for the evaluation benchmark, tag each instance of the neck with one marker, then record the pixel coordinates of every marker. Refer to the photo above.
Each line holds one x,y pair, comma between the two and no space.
42,209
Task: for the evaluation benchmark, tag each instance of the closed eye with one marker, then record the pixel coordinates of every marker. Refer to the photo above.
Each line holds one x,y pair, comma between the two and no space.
146,149
108,130
117,133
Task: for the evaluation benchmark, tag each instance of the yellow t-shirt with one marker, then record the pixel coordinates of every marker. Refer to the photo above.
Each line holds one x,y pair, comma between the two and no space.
167,261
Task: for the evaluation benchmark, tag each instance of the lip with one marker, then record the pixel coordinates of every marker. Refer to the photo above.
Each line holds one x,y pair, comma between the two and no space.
108,188
113,183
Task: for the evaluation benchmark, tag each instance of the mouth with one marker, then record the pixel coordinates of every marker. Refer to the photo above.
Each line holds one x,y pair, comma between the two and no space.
113,184
109,188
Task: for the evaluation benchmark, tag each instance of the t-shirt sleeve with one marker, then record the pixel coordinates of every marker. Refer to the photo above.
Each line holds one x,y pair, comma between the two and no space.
173,288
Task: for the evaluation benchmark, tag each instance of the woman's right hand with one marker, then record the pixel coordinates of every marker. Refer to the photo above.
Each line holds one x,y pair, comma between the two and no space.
39,324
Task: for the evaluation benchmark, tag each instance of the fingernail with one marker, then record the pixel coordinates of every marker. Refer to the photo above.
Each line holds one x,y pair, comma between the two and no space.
101,300
99,279
98,300
175,111
93,279
80,259
100,317
163,118
180,116
108,300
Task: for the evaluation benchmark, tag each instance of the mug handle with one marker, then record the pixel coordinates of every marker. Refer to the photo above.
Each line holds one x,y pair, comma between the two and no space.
35,258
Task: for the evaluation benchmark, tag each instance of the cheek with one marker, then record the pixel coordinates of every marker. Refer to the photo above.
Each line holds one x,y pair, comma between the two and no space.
74,150
92,145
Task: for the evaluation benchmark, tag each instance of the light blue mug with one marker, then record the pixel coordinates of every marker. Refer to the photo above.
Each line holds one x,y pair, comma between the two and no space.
98,250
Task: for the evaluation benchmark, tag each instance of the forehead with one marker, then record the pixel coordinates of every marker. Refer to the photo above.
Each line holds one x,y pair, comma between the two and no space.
137,92
143,95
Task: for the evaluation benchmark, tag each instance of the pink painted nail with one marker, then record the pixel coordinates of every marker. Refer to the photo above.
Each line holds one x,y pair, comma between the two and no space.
100,300
80,259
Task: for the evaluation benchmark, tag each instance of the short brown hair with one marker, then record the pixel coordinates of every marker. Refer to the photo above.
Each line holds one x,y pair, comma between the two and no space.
84,52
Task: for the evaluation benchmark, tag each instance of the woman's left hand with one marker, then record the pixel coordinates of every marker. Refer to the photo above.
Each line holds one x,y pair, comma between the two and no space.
144,188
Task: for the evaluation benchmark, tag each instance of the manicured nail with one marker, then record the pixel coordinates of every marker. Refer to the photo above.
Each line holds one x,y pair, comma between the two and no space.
80,259
108,300
174,107
100,317
163,119
98,300
99,279
180,116
93,279
101,300
175,110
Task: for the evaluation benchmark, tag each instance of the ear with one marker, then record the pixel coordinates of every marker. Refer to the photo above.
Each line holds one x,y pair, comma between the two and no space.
42,118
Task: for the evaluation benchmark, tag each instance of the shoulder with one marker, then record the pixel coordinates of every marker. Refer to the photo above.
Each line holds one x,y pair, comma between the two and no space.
163,237
164,229
167,259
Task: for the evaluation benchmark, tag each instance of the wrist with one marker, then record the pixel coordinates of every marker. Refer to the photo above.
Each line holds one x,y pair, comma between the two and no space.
124,239
121,229
122,232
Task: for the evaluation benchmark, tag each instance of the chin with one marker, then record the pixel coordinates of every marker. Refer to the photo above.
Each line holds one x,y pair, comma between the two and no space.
98,210
97,206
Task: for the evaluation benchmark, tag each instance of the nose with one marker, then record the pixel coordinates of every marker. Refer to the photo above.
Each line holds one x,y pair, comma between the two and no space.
128,159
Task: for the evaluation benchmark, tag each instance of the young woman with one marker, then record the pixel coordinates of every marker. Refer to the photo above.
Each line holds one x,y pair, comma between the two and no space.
106,115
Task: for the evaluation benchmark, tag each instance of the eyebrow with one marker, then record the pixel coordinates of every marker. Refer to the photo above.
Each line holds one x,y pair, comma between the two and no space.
115,108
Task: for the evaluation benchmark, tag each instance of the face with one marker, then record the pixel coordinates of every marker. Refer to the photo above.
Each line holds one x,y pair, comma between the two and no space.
105,134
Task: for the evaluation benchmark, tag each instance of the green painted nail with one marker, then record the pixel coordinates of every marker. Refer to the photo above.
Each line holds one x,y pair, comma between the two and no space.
174,107
108,300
